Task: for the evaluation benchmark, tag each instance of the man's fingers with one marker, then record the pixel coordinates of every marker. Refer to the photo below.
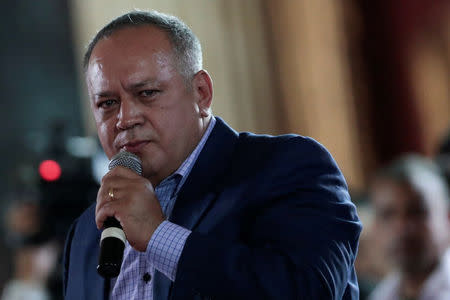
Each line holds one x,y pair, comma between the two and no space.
106,205
111,190
108,209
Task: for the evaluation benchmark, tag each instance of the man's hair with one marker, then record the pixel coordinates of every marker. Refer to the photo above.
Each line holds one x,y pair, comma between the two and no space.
418,172
185,45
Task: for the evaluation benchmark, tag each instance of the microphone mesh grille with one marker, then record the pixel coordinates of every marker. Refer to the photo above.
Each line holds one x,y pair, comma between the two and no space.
128,160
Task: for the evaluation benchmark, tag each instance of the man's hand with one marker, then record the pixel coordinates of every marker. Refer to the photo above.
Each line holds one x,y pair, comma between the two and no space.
134,205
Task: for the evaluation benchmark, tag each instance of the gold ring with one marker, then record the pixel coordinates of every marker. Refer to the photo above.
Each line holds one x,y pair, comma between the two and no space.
111,193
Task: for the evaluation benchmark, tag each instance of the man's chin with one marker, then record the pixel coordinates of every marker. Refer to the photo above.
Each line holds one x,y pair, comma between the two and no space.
151,171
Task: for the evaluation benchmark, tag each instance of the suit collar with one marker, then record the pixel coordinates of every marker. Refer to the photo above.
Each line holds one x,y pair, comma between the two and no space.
200,187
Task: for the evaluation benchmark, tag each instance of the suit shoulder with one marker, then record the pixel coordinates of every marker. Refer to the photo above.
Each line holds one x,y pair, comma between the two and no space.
287,158
284,139
292,145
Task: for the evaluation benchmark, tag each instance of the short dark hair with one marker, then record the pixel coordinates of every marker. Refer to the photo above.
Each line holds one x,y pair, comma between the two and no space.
186,46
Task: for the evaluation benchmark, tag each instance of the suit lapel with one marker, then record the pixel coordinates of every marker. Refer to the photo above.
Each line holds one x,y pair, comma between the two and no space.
200,189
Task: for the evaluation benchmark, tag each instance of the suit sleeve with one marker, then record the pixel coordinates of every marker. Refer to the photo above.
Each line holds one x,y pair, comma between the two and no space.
300,244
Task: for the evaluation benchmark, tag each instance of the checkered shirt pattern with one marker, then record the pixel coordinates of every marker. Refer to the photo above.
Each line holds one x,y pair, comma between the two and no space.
166,244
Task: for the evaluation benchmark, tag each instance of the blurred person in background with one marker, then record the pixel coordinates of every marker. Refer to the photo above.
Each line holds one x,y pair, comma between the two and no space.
35,253
371,265
410,199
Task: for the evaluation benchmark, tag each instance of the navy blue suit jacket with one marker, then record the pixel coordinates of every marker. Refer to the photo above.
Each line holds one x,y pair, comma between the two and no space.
271,219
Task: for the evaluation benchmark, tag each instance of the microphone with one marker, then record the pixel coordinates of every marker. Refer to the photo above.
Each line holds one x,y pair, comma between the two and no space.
112,241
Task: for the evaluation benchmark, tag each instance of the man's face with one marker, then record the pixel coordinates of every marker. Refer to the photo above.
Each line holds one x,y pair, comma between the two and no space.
408,224
140,101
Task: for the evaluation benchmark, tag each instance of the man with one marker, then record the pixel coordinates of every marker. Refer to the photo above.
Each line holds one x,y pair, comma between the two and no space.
411,212
216,214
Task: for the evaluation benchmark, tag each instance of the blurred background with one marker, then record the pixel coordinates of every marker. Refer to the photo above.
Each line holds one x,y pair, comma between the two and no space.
368,79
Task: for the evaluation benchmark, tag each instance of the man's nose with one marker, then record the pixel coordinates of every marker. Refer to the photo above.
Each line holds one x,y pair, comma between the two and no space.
130,115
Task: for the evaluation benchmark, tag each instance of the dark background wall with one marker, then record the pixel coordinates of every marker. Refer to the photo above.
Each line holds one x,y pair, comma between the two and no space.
38,87
37,79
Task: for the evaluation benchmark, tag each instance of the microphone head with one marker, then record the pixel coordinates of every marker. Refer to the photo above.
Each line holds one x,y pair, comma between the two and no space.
128,160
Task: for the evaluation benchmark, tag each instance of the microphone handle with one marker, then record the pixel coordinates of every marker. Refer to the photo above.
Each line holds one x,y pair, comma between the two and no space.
112,245
112,241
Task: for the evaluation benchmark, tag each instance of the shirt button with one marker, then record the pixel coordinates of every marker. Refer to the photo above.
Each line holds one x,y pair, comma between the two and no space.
147,277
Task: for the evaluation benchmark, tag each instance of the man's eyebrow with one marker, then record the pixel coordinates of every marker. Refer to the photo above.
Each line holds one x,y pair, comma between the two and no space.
104,94
132,86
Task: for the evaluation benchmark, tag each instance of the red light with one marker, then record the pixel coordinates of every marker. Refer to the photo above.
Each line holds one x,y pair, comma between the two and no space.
50,170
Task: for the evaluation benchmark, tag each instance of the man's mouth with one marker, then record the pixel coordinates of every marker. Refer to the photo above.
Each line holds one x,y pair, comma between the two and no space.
134,146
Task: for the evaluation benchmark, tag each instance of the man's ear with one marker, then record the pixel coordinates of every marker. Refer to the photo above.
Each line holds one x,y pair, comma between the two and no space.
203,90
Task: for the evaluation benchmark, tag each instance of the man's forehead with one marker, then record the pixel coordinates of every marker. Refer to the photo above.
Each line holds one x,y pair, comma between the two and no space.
132,48
94,73
103,78
95,66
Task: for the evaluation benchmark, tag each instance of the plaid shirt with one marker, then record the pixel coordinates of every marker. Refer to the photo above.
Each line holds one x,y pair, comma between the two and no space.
166,244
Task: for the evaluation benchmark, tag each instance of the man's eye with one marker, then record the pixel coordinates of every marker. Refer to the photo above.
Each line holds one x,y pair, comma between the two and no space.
148,93
107,103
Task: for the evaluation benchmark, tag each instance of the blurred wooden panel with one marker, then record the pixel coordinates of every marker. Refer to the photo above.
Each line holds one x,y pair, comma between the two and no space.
313,71
430,77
